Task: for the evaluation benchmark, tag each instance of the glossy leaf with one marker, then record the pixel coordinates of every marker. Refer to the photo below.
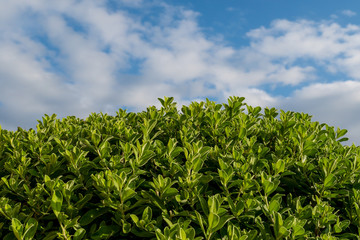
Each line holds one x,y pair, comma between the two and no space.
56,202
17,228
209,171
79,234
329,180
91,215
30,229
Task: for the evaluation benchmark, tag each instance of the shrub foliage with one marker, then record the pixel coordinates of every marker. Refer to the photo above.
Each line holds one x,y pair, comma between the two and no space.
211,171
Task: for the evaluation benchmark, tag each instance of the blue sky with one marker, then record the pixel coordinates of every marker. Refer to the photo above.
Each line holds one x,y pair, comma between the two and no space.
74,57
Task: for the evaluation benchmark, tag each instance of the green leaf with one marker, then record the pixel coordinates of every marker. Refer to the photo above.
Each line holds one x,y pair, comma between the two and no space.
147,214
252,234
242,133
343,139
269,186
154,199
83,201
274,206
17,228
126,227
79,234
190,233
51,235
279,229
345,224
214,203
72,222
6,182
275,203
222,222
289,221
236,209
329,180
197,164
182,234
256,110
135,219
204,179
337,228
127,194
56,202
233,231
348,236
201,222
162,101
340,133
105,232
340,226
176,152
213,220
298,230
283,232
91,215
279,166
30,229
170,192
204,205
159,235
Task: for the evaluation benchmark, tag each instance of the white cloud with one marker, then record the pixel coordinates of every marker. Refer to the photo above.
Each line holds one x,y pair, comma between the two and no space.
134,3
349,13
350,63
300,39
76,57
327,44
293,75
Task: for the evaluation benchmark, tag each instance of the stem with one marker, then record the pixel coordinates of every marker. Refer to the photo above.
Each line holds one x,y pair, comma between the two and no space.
64,232
122,208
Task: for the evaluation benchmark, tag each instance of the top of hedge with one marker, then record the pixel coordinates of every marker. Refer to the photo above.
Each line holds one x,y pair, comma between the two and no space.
211,171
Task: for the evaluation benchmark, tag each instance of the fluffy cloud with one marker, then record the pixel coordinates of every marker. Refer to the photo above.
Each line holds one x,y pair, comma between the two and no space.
305,39
76,57
349,13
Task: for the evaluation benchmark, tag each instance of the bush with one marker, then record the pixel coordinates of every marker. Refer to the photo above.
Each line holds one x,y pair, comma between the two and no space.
209,172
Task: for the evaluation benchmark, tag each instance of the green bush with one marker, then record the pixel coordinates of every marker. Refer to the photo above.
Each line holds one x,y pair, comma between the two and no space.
211,171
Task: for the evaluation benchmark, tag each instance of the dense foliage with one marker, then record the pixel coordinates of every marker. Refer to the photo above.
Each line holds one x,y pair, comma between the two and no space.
211,171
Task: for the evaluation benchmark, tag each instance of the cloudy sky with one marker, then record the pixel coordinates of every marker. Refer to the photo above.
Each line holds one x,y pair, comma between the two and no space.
74,57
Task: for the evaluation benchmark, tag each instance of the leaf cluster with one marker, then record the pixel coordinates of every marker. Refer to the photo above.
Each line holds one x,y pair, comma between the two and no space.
210,171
